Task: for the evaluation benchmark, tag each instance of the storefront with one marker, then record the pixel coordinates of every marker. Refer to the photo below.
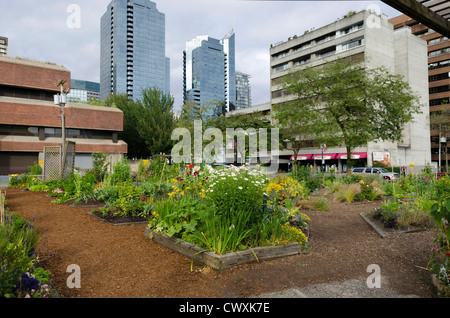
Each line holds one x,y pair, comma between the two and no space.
333,161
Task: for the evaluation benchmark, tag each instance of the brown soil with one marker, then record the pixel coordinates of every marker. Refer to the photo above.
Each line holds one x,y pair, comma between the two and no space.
119,261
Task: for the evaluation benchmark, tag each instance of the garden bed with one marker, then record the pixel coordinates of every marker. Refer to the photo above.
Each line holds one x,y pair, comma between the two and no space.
118,220
225,261
383,230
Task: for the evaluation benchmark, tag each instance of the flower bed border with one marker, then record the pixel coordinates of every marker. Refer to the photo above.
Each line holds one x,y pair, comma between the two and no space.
225,261
383,233
116,223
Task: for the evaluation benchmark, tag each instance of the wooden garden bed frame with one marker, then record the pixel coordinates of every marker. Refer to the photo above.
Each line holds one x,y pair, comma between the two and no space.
225,261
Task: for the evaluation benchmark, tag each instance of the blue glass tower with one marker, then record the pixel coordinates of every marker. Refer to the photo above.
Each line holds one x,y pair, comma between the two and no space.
132,53
209,71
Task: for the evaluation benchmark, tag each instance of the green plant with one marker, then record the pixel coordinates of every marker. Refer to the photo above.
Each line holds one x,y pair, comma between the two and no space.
222,234
347,192
232,192
387,216
440,259
309,180
100,165
84,186
320,204
121,171
18,239
34,170
179,218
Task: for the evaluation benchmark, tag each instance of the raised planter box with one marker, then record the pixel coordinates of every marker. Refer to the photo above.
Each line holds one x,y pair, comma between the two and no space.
221,262
443,289
383,233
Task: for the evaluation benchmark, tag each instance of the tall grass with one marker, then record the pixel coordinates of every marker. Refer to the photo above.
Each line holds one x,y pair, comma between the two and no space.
347,192
223,235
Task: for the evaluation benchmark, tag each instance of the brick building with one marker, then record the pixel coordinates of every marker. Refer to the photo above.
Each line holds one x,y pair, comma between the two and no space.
29,119
438,79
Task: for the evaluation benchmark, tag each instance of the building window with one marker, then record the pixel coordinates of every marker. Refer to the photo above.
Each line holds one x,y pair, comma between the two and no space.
350,29
440,89
438,77
436,65
434,41
349,45
302,46
281,67
439,52
280,55
439,101
18,130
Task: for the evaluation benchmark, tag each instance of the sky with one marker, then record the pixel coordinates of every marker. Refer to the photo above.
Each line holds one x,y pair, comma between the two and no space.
67,32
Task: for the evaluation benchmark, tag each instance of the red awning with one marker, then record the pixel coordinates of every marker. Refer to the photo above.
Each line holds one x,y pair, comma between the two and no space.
302,157
326,156
355,155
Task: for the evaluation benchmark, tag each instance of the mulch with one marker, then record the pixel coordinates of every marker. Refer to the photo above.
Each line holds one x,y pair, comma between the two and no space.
119,261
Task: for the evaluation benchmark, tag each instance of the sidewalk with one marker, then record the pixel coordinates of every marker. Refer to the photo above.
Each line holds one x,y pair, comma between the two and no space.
4,181
348,289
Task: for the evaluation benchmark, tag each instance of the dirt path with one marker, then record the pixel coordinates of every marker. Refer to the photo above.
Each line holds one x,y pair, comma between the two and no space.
118,261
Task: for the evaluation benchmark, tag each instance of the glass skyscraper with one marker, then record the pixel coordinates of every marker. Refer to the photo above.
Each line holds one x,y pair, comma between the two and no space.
243,90
209,71
133,49
83,91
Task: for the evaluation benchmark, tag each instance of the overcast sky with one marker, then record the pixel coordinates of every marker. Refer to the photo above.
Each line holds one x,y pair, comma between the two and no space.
44,30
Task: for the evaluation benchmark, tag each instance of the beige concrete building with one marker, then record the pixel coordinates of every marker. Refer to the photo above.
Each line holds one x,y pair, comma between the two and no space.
372,36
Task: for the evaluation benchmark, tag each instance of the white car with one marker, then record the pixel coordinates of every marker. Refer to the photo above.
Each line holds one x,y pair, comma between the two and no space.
374,170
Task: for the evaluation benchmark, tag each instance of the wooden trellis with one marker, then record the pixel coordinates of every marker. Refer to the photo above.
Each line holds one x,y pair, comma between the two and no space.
52,163
69,159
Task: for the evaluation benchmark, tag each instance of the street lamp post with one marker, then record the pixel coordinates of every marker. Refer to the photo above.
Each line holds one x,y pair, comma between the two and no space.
61,100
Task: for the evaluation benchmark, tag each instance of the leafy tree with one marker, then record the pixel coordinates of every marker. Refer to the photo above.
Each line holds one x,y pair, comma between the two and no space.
345,102
132,112
156,120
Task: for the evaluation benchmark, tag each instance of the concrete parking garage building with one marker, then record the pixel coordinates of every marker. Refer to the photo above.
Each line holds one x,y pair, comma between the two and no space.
29,119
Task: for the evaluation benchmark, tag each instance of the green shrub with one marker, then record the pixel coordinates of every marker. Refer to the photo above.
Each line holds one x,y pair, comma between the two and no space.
100,165
347,192
18,238
121,171
34,170
308,179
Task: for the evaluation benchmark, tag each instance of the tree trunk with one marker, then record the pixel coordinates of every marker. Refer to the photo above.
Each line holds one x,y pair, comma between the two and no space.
349,159
294,163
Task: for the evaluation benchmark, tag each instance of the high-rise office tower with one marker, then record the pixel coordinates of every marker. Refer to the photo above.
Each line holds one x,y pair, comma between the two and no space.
3,45
133,49
209,71
243,91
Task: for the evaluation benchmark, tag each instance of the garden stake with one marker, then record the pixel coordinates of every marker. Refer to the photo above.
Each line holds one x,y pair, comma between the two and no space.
162,173
2,207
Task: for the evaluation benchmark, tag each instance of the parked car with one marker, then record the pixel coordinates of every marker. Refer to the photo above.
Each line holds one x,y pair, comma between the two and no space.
374,170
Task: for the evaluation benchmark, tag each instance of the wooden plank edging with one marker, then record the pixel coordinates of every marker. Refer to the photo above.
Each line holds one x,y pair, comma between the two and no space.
221,262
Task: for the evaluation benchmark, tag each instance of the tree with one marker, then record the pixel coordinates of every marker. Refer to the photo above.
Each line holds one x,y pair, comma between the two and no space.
131,114
156,120
244,125
345,102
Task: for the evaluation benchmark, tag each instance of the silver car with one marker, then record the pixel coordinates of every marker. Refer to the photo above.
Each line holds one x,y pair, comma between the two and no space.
374,170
